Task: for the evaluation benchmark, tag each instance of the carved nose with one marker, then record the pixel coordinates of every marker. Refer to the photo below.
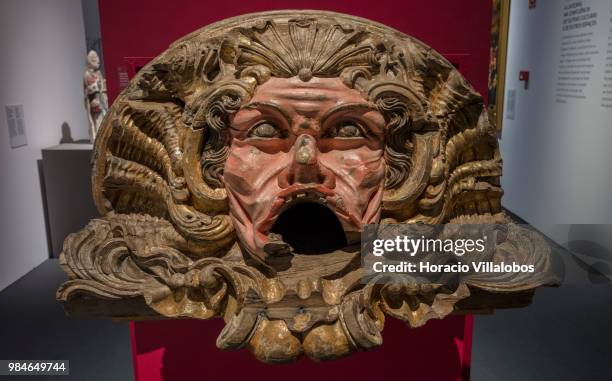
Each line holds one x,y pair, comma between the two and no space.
305,167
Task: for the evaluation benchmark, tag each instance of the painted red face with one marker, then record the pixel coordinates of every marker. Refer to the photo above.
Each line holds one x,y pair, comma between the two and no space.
319,141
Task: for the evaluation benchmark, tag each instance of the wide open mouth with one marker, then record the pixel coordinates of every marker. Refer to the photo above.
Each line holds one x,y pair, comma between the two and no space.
310,227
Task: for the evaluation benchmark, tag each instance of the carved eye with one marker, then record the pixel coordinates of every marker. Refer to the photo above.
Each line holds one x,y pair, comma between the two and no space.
265,130
349,130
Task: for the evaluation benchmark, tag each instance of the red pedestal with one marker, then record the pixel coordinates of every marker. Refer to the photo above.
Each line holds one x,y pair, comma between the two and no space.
185,350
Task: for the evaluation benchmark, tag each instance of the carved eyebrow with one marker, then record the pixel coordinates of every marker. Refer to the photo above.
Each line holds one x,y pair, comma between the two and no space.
347,107
269,105
305,97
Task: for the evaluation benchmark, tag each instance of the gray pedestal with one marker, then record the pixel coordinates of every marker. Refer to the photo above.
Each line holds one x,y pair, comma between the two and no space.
67,177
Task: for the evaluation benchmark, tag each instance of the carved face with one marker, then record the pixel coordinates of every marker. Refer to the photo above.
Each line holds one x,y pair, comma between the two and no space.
295,142
267,128
93,61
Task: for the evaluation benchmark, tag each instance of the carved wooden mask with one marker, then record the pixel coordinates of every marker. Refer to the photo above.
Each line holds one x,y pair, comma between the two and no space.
235,173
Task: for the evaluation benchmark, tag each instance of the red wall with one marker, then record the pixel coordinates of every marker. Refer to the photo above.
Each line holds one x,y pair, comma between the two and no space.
145,28
171,350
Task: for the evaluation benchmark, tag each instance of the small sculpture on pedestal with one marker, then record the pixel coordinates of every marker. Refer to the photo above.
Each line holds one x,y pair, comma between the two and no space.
96,102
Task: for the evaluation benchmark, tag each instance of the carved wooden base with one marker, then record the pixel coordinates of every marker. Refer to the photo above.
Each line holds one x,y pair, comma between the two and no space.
129,267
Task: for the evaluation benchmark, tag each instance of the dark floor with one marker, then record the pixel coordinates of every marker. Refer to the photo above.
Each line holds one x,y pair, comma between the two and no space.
33,326
565,335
